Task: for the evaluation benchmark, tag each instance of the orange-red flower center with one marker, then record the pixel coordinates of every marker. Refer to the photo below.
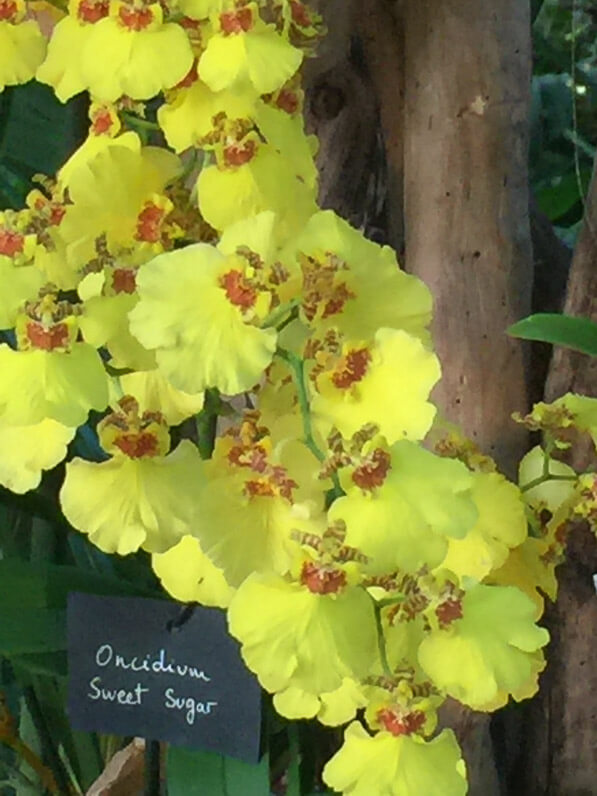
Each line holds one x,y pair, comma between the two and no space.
11,242
8,10
288,101
124,280
91,11
398,724
102,121
149,223
55,336
234,22
320,290
352,368
274,482
135,18
137,445
254,457
336,303
448,611
300,14
238,290
372,473
238,154
52,211
322,580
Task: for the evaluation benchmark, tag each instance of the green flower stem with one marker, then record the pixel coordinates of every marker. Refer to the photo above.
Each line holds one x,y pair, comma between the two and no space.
542,479
117,372
298,371
389,601
281,316
297,366
136,122
207,421
381,641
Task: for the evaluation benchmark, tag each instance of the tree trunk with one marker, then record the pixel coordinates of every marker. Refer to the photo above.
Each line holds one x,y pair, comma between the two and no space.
467,93
382,35
466,203
448,82
561,756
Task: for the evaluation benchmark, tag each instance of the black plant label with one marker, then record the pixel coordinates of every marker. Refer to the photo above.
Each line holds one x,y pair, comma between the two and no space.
161,671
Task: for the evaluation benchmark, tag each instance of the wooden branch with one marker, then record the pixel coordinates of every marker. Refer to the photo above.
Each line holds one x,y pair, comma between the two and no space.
124,773
561,736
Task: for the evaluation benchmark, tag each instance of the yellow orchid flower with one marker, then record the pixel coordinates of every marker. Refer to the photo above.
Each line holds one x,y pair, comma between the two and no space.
201,310
396,765
50,375
189,575
29,450
402,505
310,634
250,512
141,497
22,44
19,277
353,284
501,525
246,53
386,382
485,647
62,68
108,297
104,132
118,197
146,55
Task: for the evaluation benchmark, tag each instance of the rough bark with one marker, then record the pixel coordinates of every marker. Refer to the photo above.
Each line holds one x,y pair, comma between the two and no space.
467,87
562,731
467,72
382,35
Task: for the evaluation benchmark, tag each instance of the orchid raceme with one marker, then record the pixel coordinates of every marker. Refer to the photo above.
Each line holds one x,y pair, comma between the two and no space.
254,378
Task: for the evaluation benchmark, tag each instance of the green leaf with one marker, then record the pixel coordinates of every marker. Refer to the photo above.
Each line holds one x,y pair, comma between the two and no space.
37,131
26,630
294,768
244,779
579,334
46,664
561,194
195,773
28,585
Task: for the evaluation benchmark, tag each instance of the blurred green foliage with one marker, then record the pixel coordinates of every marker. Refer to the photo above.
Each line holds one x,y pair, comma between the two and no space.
564,109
